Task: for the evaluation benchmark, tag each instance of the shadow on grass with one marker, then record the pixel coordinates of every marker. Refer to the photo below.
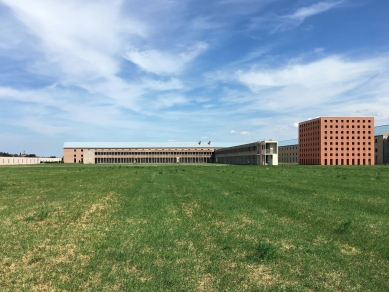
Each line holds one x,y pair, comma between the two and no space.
38,216
343,227
264,252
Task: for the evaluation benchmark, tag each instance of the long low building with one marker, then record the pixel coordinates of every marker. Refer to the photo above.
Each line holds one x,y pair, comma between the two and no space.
27,160
129,152
259,153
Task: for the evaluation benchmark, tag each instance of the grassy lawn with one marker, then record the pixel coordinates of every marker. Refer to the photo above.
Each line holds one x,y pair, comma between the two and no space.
194,228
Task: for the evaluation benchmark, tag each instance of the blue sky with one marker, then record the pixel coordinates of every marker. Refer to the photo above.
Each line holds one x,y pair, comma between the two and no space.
166,70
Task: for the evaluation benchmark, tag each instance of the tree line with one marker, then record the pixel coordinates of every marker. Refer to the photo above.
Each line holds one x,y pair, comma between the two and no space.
6,154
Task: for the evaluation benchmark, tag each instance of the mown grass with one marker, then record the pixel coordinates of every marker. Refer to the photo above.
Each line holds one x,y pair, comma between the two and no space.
194,228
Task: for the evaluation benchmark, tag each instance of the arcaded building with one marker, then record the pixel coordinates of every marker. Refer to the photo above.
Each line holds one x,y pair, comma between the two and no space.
337,141
259,153
127,152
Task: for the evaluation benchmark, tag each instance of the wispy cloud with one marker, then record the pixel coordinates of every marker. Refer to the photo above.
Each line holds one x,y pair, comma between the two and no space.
164,63
277,23
332,79
317,8
78,39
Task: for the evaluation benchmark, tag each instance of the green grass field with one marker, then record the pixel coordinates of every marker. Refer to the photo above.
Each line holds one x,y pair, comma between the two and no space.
194,228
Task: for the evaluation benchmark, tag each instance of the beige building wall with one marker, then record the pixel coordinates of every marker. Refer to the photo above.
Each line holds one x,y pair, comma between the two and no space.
288,154
89,156
138,155
73,155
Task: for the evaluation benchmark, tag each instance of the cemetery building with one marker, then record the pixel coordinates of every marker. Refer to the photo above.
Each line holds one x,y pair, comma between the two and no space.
336,141
259,153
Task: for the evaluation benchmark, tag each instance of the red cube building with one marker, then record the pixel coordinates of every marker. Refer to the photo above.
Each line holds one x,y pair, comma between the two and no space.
337,141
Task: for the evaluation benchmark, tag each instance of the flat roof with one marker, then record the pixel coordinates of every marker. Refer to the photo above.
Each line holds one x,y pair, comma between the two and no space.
381,130
288,142
122,145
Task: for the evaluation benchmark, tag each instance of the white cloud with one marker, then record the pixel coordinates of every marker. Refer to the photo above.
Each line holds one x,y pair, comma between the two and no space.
244,133
286,22
232,132
301,85
317,8
329,70
79,40
164,63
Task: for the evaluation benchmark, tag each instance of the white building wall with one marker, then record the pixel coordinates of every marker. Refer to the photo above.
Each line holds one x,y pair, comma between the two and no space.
26,160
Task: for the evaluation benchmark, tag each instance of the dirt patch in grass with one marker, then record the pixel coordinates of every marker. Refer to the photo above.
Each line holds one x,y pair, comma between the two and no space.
138,274
190,208
137,221
349,250
247,220
320,240
262,275
207,283
287,245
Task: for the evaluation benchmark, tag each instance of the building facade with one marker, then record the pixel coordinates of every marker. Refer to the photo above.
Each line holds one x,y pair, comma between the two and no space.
337,141
259,153
27,160
117,152
288,151
381,144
